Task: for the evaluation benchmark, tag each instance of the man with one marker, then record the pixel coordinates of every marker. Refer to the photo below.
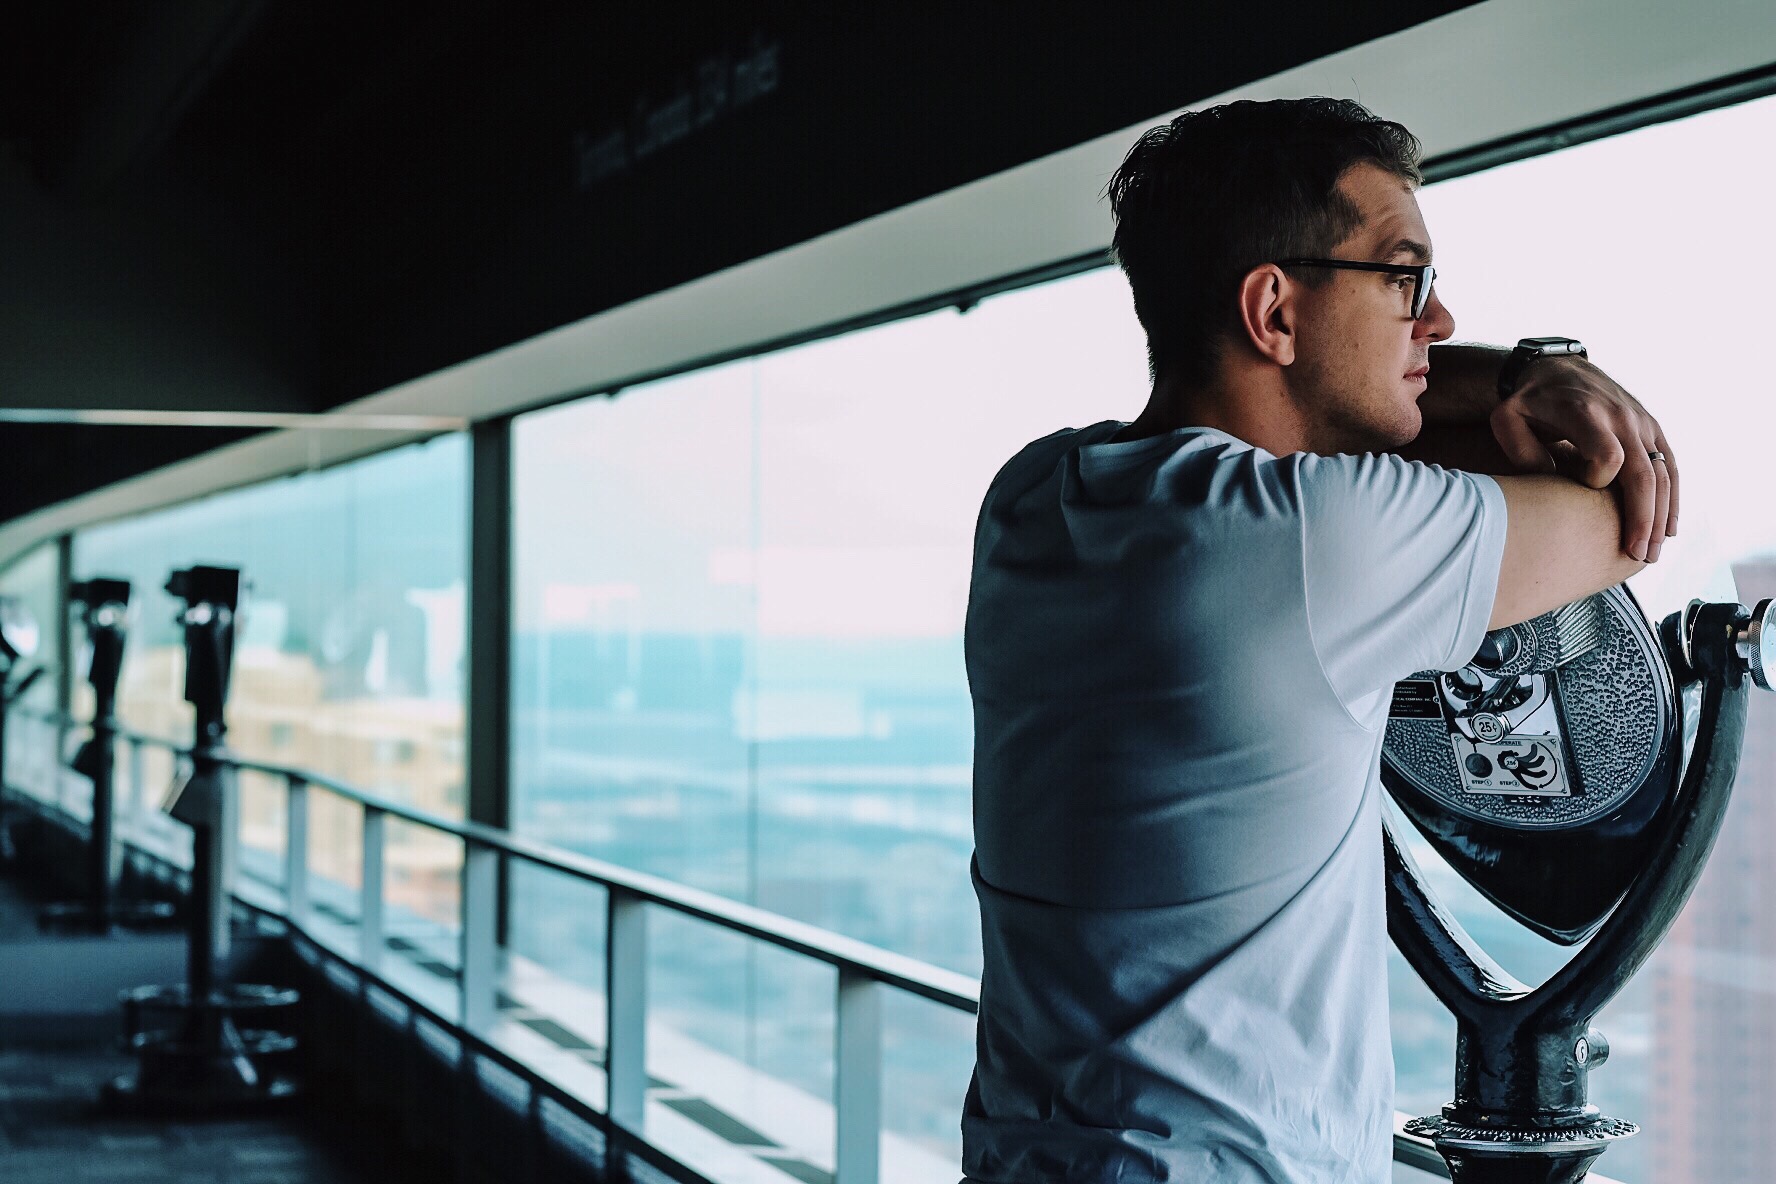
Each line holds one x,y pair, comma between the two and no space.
1182,637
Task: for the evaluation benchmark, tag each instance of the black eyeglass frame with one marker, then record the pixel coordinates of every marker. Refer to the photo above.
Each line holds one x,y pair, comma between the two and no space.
1422,276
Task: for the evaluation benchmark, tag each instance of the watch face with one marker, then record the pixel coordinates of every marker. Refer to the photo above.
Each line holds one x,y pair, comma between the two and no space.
1552,345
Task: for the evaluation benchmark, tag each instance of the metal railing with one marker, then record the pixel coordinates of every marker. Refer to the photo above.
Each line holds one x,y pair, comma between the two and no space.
865,972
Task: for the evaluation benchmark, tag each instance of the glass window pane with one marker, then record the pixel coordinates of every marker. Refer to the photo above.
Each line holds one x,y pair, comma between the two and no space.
875,450
32,742
632,542
553,983
263,820
349,651
32,579
922,1089
738,659
336,856
422,891
740,1047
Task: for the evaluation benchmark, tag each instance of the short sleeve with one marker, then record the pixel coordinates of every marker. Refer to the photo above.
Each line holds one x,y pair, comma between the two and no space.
1400,562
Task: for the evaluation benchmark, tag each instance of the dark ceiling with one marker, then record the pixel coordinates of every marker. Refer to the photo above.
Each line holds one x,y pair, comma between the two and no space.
287,204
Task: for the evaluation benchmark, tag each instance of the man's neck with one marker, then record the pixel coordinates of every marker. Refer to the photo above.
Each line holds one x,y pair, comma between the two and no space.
1258,412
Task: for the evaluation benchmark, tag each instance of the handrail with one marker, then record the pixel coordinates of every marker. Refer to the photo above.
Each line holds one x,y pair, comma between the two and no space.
847,954
863,969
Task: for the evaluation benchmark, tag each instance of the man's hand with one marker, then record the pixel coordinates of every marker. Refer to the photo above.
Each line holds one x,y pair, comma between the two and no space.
1568,416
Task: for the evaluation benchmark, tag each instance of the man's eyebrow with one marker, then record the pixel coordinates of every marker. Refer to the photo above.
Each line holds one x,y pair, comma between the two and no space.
1411,246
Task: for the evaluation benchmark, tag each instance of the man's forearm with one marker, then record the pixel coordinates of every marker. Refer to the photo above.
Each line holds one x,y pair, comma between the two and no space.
1470,447
1462,387
1564,416
1457,405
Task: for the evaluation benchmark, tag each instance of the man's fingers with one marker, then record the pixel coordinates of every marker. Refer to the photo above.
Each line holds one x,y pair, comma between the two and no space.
1600,432
1600,444
1519,442
1595,432
1661,511
1670,466
1640,493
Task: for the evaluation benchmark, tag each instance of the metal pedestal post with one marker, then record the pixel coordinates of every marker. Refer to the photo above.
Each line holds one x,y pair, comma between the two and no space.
205,1056
195,1048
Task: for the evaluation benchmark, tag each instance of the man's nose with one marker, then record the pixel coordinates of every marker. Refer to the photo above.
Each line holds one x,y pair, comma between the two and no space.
1437,324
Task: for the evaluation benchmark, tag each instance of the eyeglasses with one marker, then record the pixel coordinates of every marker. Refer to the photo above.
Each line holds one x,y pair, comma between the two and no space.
1422,277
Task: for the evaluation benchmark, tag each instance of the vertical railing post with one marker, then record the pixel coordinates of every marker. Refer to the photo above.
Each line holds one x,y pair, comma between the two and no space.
625,1002
480,935
64,662
370,939
858,1090
295,849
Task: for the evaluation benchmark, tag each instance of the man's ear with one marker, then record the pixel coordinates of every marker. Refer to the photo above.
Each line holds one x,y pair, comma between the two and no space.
1267,309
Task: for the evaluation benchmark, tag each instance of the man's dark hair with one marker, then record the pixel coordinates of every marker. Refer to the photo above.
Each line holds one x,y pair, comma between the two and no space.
1202,200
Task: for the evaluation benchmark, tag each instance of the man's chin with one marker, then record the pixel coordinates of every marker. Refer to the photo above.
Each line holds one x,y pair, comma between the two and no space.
1371,432
1405,430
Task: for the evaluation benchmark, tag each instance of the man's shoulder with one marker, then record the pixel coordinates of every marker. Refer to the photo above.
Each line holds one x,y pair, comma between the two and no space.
1361,486
1367,467
1045,450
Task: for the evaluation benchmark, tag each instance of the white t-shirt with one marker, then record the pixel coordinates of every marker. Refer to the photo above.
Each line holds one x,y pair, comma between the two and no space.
1181,651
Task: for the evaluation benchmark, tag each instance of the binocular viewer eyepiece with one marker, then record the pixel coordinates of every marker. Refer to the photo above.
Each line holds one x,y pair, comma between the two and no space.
215,588
98,591
211,596
105,610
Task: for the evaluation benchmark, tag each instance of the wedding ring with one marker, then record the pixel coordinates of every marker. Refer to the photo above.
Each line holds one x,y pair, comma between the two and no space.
1655,456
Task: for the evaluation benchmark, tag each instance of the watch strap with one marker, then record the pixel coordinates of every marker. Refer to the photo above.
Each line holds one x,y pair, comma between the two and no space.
1528,350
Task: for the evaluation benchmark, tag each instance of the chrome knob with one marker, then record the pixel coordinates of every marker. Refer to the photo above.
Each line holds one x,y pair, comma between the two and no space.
1592,1049
1757,647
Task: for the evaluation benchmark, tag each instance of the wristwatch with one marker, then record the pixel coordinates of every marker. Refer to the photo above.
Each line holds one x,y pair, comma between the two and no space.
1527,351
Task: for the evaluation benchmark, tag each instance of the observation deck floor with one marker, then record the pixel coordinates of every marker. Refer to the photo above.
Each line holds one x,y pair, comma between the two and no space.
53,1131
